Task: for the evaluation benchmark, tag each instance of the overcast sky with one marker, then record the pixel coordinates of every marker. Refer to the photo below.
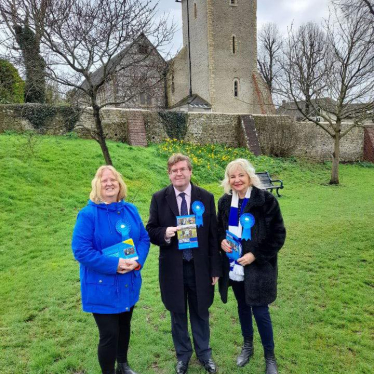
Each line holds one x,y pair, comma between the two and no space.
281,12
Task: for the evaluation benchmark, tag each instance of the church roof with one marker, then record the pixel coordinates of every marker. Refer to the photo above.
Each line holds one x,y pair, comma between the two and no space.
194,101
97,75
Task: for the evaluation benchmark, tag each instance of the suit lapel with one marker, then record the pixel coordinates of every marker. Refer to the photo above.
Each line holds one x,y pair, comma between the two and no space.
171,200
195,196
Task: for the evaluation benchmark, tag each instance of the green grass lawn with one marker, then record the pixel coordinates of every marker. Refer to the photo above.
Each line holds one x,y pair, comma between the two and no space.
323,317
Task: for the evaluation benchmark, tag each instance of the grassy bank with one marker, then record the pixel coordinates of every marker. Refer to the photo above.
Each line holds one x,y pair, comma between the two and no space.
323,317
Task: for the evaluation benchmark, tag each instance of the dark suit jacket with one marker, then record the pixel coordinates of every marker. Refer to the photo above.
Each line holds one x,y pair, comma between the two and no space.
207,259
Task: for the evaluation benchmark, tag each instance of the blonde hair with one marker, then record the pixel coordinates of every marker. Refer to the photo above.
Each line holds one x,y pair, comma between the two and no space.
95,194
247,167
177,157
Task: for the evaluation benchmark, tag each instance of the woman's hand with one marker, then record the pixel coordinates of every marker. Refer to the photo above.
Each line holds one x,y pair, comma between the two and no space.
247,259
226,246
124,266
131,265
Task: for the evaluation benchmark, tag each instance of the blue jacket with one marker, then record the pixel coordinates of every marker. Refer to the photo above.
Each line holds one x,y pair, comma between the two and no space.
105,291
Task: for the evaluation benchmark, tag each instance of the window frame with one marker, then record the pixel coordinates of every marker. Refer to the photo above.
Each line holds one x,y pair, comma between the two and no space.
236,87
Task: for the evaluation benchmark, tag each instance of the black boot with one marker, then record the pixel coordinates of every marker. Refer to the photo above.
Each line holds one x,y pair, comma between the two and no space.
246,353
124,368
271,363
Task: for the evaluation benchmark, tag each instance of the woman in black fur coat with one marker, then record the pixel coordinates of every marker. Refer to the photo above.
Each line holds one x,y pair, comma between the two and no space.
252,273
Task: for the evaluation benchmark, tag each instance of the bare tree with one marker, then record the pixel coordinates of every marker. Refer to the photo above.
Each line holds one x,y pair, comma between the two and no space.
341,86
23,20
348,6
304,63
94,41
269,48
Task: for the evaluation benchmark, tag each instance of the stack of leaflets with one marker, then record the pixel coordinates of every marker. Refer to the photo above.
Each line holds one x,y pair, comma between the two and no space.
187,233
125,249
235,245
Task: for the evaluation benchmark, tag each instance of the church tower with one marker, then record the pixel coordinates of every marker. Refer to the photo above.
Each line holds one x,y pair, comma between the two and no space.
218,60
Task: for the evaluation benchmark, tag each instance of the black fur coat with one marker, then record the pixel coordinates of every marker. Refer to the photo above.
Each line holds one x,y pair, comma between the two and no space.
268,236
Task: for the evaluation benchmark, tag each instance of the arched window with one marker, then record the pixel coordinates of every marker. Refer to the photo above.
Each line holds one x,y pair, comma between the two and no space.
236,88
195,10
233,42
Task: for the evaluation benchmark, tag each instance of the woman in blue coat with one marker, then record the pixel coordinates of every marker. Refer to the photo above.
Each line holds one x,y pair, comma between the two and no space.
110,285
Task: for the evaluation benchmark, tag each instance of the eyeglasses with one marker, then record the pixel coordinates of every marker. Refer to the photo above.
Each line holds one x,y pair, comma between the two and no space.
175,171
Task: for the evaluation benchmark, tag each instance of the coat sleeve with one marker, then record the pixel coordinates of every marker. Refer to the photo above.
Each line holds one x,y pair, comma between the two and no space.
214,253
221,229
83,246
142,247
275,232
155,231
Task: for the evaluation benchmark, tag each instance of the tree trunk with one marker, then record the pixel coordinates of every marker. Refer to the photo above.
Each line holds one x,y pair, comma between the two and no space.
335,161
100,137
34,64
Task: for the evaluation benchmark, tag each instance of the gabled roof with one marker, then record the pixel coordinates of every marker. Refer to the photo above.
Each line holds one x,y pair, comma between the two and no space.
194,101
97,76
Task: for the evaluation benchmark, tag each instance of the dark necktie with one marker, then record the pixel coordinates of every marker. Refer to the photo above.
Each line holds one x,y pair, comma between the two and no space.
187,253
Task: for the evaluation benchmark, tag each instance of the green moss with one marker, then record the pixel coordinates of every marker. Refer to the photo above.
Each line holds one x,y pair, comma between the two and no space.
175,124
40,115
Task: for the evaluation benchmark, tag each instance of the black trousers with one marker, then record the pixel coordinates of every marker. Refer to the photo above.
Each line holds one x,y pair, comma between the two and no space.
114,331
199,322
261,314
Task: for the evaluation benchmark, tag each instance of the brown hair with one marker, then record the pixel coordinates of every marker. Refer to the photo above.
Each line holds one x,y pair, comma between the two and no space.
177,157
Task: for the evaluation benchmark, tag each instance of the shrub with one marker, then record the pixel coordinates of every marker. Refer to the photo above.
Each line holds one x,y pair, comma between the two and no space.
11,85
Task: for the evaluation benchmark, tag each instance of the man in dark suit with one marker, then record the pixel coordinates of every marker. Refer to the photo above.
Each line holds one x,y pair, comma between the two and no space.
187,277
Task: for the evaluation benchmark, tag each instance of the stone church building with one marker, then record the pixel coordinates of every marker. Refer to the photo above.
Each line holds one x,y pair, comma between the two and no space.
215,71
218,61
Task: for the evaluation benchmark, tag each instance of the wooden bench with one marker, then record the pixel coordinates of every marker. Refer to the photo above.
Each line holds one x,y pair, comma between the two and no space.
268,183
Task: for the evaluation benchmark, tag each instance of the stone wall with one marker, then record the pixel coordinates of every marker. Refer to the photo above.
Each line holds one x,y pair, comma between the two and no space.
298,139
305,139
47,119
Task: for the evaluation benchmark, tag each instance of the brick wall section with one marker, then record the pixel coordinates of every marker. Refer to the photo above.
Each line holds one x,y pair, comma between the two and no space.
136,129
249,135
369,143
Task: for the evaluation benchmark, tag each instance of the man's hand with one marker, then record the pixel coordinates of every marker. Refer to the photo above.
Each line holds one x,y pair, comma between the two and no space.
214,280
170,232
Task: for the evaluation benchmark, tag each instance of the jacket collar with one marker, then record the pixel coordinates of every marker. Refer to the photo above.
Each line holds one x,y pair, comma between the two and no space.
109,207
257,199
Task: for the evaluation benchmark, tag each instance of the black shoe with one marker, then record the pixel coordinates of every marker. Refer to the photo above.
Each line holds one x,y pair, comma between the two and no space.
246,353
181,367
209,365
124,368
271,363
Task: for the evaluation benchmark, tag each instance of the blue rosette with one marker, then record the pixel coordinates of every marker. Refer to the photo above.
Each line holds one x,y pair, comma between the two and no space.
198,208
247,221
123,228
